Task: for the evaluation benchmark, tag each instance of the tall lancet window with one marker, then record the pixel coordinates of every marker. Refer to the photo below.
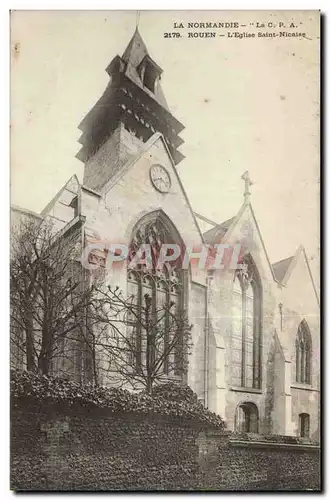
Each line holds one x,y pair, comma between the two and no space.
303,354
164,289
246,328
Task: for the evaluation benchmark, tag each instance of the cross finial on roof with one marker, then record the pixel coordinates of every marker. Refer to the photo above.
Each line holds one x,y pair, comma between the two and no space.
137,19
248,183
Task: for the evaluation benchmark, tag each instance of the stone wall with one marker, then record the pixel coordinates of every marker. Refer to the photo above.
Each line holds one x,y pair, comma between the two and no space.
255,462
56,448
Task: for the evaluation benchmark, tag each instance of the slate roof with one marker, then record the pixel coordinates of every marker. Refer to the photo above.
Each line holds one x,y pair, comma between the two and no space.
280,268
25,211
215,234
136,49
133,55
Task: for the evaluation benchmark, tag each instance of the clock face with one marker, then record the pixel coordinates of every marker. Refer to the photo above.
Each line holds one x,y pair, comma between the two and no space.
160,178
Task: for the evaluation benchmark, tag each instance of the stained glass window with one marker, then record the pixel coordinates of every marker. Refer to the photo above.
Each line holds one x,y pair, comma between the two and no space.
163,286
303,354
246,329
237,330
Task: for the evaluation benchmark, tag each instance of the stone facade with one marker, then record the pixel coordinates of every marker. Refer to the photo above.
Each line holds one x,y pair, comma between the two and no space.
117,192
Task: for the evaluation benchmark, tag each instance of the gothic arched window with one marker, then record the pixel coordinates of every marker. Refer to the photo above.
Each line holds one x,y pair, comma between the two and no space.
164,289
246,328
303,354
247,418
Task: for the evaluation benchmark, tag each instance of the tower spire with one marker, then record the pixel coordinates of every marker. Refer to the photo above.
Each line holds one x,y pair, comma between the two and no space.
131,109
137,20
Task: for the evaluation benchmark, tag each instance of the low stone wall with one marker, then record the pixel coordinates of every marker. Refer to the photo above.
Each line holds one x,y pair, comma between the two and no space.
60,449
56,448
253,462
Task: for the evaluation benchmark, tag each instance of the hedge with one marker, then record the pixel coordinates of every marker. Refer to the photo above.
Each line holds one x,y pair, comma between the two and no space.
169,400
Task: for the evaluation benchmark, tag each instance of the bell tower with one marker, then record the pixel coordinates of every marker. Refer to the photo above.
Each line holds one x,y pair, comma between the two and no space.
131,109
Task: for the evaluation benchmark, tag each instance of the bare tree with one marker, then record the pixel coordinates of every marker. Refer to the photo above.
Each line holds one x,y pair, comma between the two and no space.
61,312
144,345
49,293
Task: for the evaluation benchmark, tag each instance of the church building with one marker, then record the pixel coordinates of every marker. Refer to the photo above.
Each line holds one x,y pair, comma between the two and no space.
256,334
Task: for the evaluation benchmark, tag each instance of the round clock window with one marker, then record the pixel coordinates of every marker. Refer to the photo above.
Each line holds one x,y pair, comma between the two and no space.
160,178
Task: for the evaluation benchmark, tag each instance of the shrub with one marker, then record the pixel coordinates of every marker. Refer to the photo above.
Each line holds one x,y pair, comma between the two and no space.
39,389
176,392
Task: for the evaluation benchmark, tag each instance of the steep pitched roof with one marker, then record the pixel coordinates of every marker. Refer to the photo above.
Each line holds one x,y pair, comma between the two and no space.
136,49
280,268
25,211
283,269
215,234
223,231
72,181
292,264
133,55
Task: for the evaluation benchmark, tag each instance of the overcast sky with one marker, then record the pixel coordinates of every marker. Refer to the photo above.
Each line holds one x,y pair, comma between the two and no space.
247,104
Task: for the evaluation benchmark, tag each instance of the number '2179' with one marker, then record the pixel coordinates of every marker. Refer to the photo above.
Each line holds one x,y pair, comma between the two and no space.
172,35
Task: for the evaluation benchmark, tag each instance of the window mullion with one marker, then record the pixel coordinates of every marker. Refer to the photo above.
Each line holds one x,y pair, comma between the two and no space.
308,367
303,363
256,343
243,336
153,320
166,331
297,361
138,325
